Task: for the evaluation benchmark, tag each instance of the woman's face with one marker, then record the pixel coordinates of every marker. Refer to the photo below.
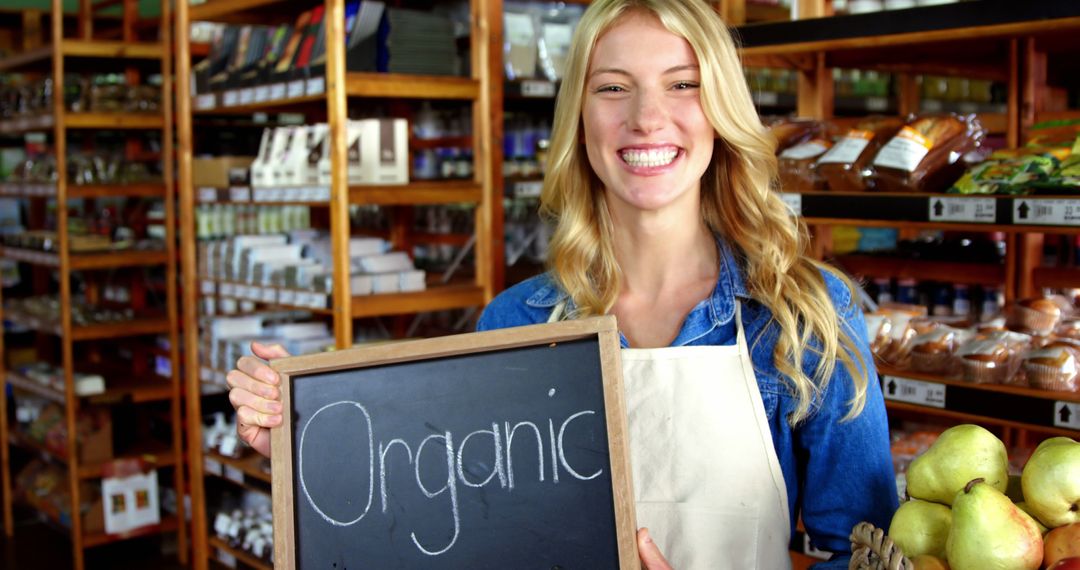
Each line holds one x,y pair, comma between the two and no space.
646,136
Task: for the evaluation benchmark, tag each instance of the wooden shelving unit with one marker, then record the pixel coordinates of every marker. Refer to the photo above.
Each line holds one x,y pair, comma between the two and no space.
329,96
48,52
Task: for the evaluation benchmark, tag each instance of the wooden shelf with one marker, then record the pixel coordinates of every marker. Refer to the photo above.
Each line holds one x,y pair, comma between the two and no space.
1056,277
82,48
241,555
123,329
23,383
923,270
433,299
1018,406
766,13
407,86
229,10
418,193
167,525
40,190
113,121
249,466
88,261
155,455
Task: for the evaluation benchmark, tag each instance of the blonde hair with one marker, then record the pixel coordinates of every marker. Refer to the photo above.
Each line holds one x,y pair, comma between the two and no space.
737,199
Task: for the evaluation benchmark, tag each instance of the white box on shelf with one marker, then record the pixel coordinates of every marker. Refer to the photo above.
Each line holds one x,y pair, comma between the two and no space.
385,283
384,147
361,285
261,171
317,144
292,165
384,263
415,280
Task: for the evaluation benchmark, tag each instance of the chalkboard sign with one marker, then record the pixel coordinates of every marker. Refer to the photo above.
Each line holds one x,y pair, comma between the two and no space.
501,449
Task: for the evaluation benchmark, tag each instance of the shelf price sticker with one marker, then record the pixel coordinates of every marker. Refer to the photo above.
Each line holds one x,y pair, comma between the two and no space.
226,558
315,86
534,88
913,391
204,102
247,95
239,194
231,98
793,201
878,104
277,91
1046,212
295,89
262,93
530,189
207,194
766,98
976,210
1067,414
234,474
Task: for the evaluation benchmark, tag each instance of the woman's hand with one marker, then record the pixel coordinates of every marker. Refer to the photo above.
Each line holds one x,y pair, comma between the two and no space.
256,396
651,557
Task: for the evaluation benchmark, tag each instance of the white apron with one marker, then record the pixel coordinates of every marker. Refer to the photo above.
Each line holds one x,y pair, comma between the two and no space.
707,482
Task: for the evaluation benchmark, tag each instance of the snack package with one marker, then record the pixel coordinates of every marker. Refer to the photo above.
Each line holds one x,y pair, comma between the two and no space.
796,165
846,166
790,132
926,154
1011,171
993,358
1053,367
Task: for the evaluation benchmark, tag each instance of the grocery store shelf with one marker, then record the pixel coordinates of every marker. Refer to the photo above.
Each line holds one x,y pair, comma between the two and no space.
87,261
167,525
37,388
18,439
1047,214
1017,406
114,121
923,270
418,193
406,86
231,10
250,466
37,190
154,455
26,123
42,56
103,331
433,299
241,555
1056,277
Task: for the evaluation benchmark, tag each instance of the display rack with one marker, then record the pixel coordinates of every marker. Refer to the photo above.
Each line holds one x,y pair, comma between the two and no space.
329,95
49,51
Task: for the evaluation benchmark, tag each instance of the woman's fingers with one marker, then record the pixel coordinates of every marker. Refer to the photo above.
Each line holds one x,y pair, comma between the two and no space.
241,381
243,398
268,351
257,437
257,369
651,557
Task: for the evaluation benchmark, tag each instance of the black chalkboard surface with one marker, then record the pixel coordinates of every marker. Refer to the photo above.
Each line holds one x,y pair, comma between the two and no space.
503,449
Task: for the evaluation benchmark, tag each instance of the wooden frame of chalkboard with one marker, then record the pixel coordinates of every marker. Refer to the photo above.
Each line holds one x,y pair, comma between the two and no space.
583,357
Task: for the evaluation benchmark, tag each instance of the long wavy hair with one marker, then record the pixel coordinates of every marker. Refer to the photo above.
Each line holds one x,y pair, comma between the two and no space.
737,197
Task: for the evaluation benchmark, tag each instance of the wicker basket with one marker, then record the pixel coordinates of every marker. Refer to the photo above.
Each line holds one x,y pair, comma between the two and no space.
872,549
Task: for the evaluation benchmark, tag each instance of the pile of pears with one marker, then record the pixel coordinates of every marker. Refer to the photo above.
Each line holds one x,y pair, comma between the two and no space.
966,513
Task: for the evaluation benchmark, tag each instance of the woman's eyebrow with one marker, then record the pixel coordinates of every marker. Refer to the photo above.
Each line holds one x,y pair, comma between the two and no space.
620,71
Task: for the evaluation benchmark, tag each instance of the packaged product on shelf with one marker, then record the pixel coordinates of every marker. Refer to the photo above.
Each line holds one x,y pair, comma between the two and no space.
927,154
932,351
1053,367
845,166
792,131
219,171
796,164
520,45
895,349
1011,171
556,28
1038,316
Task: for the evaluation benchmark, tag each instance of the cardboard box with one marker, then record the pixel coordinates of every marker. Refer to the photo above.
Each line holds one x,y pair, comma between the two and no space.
214,172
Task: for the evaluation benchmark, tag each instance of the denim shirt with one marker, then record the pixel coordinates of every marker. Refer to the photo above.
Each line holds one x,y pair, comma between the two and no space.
837,473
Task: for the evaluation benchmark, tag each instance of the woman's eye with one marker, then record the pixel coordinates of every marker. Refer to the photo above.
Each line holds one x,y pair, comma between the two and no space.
685,85
610,89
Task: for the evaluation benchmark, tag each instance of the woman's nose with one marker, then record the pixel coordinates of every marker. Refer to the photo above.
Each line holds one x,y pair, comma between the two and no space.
647,113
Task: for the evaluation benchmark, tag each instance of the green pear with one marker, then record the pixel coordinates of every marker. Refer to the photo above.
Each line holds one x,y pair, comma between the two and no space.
960,454
921,527
990,533
1051,482
1023,506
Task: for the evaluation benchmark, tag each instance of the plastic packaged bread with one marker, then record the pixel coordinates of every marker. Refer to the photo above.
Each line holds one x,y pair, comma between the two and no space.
791,131
796,164
846,166
926,154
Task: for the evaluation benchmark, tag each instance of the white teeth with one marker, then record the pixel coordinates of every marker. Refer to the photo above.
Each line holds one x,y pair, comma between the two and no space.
651,157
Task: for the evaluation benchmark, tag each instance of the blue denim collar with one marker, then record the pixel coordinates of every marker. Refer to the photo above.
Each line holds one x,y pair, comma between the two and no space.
720,307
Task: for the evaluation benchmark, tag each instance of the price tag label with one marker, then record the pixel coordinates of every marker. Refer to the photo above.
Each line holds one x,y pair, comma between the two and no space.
225,558
321,194
205,102
295,89
247,95
228,290
208,287
877,104
528,189
316,86
231,98
1066,414
534,88
269,295
205,374
207,194
234,474
793,201
239,194
913,391
767,98
277,91
260,194
976,210
291,194
211,466
219,377
287,297
1043,212
262,93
